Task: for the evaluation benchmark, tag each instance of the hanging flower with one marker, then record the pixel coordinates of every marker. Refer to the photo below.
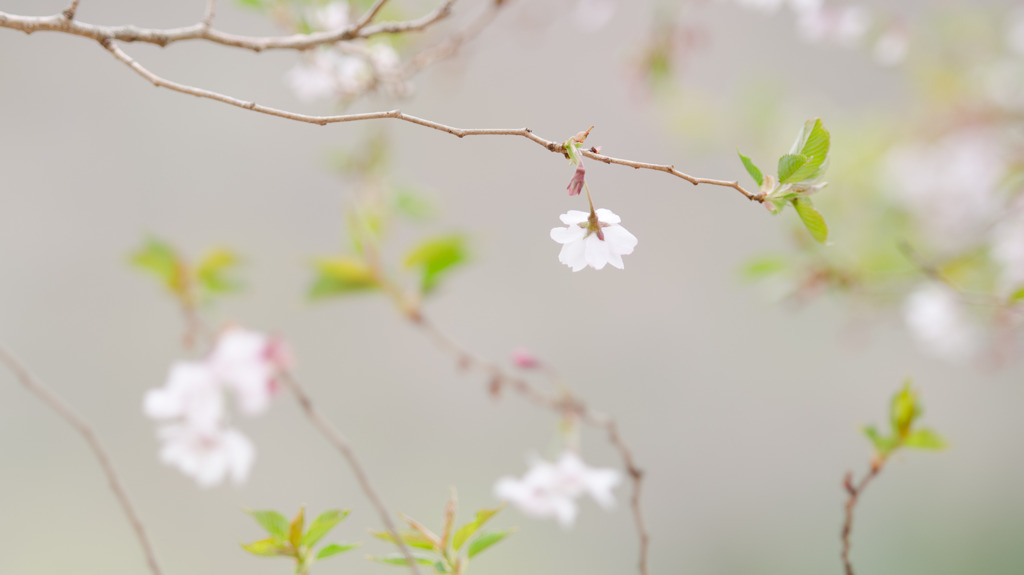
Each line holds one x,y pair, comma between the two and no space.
594,239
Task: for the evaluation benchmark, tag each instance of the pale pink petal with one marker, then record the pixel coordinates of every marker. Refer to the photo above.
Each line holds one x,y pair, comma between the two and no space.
570,234
607,216
573,217
621,241
597,252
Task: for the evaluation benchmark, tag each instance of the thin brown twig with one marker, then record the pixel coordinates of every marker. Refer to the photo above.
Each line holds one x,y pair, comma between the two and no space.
564,404
67,414
454,43
338,440
855,491
375,9
211,7
165,36
527,133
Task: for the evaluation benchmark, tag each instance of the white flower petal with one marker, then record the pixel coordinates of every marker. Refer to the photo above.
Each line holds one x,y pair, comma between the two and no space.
569,234
574,217
621,241
597,252
607,216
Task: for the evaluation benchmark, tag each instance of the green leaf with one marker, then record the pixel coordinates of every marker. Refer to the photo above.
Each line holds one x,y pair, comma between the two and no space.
265,548
323,525
337,276
753,170
763,266
159,259
812,219
213,271
467,530
1017,296
924,439
485,540
412,539
296,527
399,559
571,149
412,204
814,142
882,444
788,165
435,256
334,549
904,410
273,522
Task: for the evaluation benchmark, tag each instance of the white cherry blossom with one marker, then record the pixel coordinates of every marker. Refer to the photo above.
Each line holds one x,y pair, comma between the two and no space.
937,319
208,456
247,362
333,16
192,394
845,25
551,489
586,243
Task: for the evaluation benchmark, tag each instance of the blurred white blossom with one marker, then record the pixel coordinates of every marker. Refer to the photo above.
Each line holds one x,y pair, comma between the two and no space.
1015,31
593,244
192,394
208,456
891,47
940,324
844,25
331,17
950,186
1008,249
551,489
763,5
592,15
196,437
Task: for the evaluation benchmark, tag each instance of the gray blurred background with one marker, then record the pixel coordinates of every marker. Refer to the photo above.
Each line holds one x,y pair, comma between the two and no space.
744,414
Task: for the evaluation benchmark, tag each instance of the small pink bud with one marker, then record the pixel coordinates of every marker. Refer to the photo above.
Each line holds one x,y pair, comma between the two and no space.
524,359
576,183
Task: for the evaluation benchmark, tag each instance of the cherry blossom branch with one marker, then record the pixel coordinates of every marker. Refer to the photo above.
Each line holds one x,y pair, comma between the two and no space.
67,414
565,404
208,14
527,133
64,23
370,15
335,437
855,491
69,12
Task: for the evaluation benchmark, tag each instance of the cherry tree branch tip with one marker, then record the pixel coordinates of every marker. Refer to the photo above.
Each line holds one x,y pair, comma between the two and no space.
397,114
64,411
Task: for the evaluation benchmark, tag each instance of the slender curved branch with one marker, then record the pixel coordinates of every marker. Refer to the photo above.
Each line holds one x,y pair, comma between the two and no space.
854,491
568,405
211,7
71,10
67,414
369,15
202,31
527,133
338,440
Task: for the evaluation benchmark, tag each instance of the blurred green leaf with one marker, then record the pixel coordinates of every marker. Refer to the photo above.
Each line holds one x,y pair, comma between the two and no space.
882,444
161,260
296,527
467,530
763,266
412,204
753,170
788,165
812,219
485,540
435,256
924,439
904,410
399,559
273,522
342,275
412,539
334,549
213,270
322,525
265,548
1017,296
